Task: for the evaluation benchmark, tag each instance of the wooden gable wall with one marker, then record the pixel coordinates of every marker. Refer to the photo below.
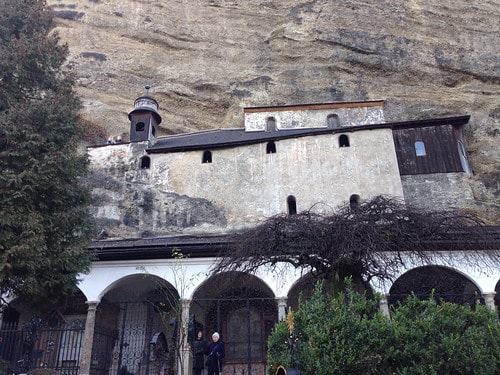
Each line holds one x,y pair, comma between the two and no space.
441,150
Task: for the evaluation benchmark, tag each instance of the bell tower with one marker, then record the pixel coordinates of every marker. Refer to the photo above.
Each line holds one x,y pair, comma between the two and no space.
144,119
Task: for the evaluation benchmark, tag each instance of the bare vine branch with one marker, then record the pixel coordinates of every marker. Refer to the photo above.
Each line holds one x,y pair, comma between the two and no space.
370,240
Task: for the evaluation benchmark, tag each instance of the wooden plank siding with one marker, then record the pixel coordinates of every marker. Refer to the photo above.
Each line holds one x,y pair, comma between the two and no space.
441,147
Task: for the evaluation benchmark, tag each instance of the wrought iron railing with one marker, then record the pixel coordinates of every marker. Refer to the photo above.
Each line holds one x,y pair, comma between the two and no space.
38,345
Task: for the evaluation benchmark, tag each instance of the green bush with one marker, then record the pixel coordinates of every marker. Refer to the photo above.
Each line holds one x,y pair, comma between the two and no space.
347,334
445,338
277,354
341,335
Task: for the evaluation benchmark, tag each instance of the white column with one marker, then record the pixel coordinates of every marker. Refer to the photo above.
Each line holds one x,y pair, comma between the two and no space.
88,338
489,300
384,305
282,308
185,368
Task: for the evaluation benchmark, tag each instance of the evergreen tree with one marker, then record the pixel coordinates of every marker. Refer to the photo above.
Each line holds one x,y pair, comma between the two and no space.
347,334
45,224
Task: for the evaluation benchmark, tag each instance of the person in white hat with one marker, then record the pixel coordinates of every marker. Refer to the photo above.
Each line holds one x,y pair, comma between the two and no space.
216,353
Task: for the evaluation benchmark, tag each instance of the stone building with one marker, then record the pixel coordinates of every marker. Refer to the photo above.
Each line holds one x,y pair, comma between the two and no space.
165,206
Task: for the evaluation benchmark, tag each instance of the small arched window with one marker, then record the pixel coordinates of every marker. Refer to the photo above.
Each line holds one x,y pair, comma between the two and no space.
332,121
139,127
207,157
270,124
420,148
354,201
145,162
271,148
292,205
344,141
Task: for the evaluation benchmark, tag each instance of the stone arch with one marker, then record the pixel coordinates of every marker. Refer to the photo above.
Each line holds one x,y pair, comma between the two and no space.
133,310
206,288
442,282
304,287
135,286
243,309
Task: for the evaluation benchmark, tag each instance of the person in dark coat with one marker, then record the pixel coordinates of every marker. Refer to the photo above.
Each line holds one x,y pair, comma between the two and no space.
199,348
216,353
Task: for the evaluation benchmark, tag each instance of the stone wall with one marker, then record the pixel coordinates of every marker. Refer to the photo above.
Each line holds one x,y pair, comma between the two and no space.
242,186
306,116
439,191
208,60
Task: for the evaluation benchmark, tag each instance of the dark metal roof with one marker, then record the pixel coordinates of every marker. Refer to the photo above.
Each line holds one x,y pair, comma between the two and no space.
212,245
225,138
160,247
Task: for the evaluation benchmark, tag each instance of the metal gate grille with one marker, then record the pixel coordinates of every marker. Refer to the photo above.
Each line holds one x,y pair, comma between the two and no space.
439,282
123,335
123,340
42,344
245,324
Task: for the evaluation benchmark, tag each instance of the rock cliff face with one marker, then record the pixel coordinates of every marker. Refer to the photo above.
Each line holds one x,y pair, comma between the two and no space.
208,59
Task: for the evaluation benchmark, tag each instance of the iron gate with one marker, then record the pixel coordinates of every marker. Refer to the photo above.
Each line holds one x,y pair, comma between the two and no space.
50,344
124,340
124,333
244,322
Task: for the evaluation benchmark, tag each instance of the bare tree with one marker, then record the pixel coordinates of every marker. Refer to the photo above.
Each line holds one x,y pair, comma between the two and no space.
372,239
172,313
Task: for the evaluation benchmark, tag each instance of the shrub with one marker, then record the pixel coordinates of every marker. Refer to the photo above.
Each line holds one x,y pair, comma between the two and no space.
347,334
444,338
341,335
277,354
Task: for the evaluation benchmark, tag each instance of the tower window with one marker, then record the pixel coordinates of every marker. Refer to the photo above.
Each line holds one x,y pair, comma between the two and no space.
207,157
139,127
271,148
332,121
270,124
344,141
145,162
292,205
354,201
420,148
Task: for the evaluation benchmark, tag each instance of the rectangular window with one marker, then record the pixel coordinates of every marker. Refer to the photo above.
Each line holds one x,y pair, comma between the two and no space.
420,148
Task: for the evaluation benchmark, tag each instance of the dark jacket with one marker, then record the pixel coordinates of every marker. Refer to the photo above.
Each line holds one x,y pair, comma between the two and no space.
199,348
215,354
